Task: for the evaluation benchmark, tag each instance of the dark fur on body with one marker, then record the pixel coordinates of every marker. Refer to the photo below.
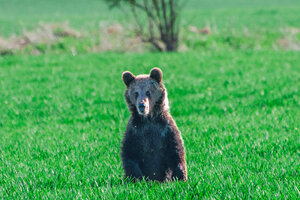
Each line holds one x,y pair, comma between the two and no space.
152,146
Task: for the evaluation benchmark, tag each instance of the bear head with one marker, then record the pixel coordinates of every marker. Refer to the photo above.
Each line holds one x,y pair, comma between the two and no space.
145,94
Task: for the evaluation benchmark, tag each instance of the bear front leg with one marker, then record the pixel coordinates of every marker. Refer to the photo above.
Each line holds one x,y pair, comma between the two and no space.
132,170
179,172
130,155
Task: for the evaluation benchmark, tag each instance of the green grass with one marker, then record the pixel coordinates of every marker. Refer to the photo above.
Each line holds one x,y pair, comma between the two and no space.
62,120
62,117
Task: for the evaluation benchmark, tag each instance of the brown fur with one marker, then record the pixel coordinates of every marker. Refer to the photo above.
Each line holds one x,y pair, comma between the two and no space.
152,146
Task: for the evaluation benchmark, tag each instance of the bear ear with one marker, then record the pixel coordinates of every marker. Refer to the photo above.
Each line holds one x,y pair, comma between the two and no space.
156,74
127,77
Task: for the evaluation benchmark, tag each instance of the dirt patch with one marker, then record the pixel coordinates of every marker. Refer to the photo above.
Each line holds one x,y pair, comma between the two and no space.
42,34
289,44
203,31
115,37
290,39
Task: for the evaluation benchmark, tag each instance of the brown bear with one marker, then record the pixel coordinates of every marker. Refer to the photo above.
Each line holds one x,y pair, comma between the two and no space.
152,146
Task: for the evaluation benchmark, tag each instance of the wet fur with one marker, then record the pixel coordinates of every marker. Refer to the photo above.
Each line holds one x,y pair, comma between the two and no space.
152,146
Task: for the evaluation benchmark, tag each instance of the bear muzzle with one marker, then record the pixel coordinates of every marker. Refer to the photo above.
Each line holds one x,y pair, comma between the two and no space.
143,107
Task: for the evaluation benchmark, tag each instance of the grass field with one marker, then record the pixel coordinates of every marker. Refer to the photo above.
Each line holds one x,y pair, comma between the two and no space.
63,117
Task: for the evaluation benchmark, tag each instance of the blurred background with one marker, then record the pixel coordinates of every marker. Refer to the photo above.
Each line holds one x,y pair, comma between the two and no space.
78,26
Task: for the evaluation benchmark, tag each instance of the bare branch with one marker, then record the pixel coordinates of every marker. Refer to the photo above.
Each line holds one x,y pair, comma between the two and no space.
164,10
136,18
162,23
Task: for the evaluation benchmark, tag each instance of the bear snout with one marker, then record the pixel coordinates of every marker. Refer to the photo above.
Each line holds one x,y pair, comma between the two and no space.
142,107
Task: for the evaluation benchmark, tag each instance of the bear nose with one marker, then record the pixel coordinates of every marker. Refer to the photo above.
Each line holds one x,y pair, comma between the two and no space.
142,107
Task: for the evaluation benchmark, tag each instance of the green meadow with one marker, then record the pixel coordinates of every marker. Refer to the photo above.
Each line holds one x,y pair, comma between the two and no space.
234,95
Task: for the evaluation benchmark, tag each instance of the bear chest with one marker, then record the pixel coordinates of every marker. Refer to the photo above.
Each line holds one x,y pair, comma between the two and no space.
152,143
151,139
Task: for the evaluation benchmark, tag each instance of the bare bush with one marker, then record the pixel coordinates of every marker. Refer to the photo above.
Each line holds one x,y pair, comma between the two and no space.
162,20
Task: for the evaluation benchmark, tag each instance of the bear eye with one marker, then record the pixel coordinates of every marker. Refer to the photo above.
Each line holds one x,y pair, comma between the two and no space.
148,93
136,94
